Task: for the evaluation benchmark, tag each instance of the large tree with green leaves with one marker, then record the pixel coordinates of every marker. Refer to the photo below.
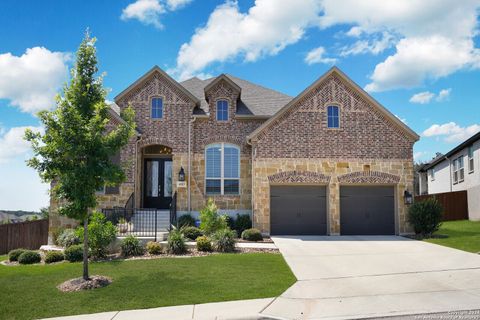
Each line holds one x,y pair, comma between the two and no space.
75,151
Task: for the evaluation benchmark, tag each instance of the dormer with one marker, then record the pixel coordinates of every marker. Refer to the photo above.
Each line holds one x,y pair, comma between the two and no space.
222,95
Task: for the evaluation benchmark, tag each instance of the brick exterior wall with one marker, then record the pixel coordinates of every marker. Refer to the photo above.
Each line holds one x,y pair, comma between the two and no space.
364,132
298,148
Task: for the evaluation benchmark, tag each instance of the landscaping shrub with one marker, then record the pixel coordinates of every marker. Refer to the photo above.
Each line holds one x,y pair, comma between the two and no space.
14,254
100,234
425,216
131,246
68,238
210,220
29,257
186,221
153,247
252,235
54,256
176,242
56,232
242,223
230,222
74,253
191,233
224,240
204,244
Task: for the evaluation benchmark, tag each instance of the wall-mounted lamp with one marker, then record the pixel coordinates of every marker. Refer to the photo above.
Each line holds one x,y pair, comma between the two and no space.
407,197
181,175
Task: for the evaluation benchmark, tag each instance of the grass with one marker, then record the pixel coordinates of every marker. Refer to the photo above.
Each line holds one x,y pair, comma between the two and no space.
29,292
463,235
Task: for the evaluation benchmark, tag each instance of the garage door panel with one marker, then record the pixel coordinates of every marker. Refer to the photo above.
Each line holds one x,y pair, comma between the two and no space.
367,210
298,210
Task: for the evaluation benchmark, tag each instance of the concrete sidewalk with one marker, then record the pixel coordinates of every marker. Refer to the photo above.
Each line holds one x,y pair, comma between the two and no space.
230,310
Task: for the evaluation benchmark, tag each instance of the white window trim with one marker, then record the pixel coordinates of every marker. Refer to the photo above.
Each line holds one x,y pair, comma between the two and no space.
216,110
222,173
471,162
457,177
432,174
101,192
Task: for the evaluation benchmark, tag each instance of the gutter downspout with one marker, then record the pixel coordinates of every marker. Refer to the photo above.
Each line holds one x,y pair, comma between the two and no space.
190,124
253,181
139,138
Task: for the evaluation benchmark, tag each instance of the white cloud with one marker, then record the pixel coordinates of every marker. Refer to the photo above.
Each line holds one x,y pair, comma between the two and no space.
177,4
266,29
444,94
317,56
427,96
420,58
451,131
30,81
146,11
419,155
374,46
422,97
149,12
12,143
431,38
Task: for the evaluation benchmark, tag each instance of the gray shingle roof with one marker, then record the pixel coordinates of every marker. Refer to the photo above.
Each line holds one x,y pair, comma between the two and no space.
254,99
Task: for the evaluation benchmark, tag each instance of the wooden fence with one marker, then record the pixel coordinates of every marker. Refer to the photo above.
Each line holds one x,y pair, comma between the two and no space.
28,235
455,204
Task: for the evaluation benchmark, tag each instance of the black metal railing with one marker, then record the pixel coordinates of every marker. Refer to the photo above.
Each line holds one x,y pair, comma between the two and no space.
140,222
173,211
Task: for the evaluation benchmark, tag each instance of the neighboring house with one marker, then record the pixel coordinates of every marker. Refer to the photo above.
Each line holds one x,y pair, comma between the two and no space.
331,160
457,170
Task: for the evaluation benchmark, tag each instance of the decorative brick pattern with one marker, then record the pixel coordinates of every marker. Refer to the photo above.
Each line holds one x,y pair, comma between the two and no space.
299,177
374,177
364,132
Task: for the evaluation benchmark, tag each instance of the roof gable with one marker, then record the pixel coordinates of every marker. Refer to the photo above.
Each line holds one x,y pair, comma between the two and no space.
337,72
164,75
220,78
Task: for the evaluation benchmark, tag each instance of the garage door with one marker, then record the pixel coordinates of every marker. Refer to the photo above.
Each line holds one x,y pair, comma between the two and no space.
367,210
298,210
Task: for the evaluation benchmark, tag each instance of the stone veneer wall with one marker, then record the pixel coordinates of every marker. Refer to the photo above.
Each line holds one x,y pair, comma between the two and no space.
328,172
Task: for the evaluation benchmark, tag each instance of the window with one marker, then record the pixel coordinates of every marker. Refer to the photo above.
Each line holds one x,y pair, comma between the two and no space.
100,190
157,108
222,169
222,110
470,160
432,174
458,171
333,117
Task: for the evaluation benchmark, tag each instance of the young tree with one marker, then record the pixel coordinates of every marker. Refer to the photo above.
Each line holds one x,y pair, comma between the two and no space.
76,149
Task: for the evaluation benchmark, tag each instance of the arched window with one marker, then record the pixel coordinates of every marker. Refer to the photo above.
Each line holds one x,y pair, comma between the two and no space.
333,117
222,110
222,169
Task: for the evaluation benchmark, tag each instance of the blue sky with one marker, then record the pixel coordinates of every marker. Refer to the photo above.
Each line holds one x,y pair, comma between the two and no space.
420,59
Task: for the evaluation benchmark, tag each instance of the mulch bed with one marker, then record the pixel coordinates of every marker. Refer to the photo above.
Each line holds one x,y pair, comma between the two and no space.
420,237
79,284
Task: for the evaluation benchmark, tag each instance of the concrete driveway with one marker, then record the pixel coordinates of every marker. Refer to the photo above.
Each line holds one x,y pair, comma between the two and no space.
355,277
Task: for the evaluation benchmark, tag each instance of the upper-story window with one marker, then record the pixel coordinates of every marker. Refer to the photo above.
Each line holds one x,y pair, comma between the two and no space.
222,169
458,170
470,160
333,117
157,108
432,174
222,110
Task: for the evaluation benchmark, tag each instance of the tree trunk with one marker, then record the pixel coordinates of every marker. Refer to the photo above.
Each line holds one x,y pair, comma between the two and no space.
85,248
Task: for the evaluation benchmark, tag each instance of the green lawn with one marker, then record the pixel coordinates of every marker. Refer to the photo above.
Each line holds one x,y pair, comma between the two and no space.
28,292
463,235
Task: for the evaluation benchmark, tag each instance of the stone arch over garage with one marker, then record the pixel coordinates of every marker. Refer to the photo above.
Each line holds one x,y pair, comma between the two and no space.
368,177
299,177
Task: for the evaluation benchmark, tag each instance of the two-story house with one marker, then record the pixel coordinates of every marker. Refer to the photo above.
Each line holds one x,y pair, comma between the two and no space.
457,170
331,160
